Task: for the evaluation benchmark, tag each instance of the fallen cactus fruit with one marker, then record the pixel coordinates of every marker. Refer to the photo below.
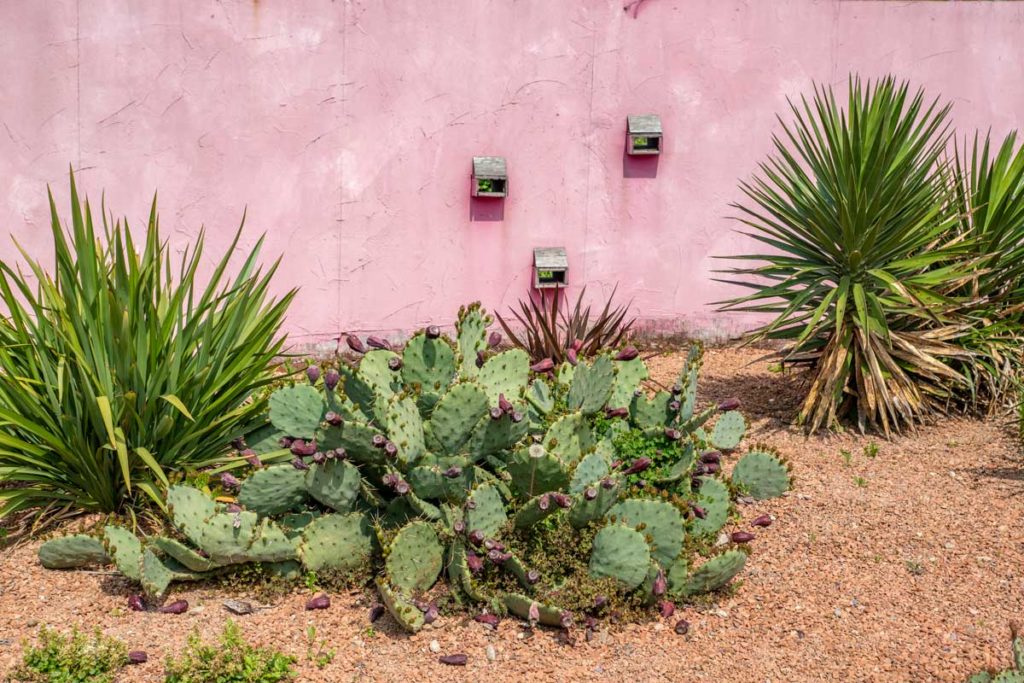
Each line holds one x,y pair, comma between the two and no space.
176,607
431,615
494,340
319,602
628,353
454,660
546,365
600,601
763,520
729,404
137,657
712,468
331,379
433,332
565,619
378,343
313,373
741,537
682,627
667,609
135,603
489,619
355,343
229,481
395,364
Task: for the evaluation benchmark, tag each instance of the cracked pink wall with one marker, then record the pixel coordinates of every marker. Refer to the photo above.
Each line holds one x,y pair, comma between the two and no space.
347,129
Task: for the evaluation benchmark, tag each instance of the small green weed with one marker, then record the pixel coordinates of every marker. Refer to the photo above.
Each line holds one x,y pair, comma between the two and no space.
914,567
871,450
847,457
232,660
71,659
860,481
316,651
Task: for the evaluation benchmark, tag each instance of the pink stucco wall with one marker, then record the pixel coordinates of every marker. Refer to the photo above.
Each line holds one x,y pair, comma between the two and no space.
347,129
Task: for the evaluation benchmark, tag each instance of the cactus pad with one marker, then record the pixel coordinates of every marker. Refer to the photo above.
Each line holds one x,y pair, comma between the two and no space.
405,426
584,511
72,552
375,373
414,558
651,413
273,490
628,376
471,331
688,381
341,542
270,544
519,605
715,573
539,396
429,363
728,430
334,483
660,523
401,608
297,410
591,385
190,508
456,415
569,438
265,439
535,471
156,574
505,373
590,469
713,496
762,474
183,554
485,510
126,550
621,553
228,535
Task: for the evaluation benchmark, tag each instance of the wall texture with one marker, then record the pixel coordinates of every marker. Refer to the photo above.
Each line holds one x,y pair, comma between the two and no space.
347,127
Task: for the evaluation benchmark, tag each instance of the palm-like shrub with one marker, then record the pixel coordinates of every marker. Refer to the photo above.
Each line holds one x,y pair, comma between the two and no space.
864,258
121,370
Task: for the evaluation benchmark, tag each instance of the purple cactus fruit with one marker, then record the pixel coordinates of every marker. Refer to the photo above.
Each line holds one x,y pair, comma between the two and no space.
699,512
677,389
698,470
667,609
600,601
481,358
355,343
494,555
136,604
494,340
285,442
229,481
534,612
517,416
695,483
476,537
333,418
238,443
590,493
496,414
712,468
313,373
431,615
572,357
577,345
303,448
378,343
378,441
612,413
459,526
532,576
233,508
546,365
673,434
474,562
395,363
674,406
137,657
251,458
299,464
389,480
376,612
331,379
628,353
176,607
390,449
453,472
638,465
544,502
402,487
319,602
491,620
562,500
471,504
607,483
433,332
565,619
505,405
711,456
729,404
453,660
682,627
660,584
763,520
319,457
741,537
490,543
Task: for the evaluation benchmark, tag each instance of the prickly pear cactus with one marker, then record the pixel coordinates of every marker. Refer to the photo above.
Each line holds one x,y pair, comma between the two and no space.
545,495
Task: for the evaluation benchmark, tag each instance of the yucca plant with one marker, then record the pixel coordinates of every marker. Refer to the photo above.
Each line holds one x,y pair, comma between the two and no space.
864,257
545,330
121,370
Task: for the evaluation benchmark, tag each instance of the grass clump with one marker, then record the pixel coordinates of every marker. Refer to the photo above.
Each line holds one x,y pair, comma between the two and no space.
74,658
230,660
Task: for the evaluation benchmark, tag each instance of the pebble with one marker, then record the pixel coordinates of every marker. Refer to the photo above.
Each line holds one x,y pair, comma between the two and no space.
720,613
723,539
238,607
435,646
491,654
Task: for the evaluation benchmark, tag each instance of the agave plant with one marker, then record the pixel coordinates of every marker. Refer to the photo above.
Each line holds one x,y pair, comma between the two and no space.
120,370
865,259
546,331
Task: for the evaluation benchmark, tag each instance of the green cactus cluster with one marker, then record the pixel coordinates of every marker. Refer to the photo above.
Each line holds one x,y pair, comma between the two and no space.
1015,674
549,495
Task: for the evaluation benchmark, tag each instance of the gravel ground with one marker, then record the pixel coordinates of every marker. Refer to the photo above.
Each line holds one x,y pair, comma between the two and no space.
905,566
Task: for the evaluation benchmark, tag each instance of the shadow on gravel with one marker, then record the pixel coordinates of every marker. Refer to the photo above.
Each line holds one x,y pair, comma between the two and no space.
1008,473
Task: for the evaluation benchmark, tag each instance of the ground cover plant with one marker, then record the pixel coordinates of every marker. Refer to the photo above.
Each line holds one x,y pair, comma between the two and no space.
557,493
230,660
124,368
74,658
